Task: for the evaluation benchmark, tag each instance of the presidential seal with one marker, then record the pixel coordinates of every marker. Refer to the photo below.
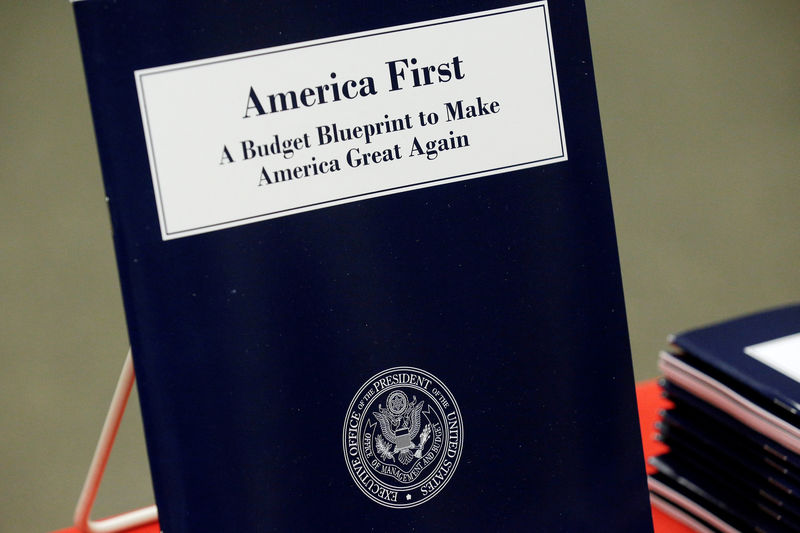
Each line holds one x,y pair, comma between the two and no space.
403,436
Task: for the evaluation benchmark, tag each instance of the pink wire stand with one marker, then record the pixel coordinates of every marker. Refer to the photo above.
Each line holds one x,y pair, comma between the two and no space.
125,521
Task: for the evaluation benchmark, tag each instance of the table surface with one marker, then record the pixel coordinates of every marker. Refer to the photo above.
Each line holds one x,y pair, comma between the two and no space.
650,401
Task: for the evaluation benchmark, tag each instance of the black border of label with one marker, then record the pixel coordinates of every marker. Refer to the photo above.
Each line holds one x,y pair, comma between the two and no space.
346,199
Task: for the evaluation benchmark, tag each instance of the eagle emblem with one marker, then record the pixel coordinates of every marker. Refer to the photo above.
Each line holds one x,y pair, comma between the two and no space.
400,424
402,437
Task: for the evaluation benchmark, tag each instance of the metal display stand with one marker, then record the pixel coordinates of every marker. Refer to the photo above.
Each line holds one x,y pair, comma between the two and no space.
82,519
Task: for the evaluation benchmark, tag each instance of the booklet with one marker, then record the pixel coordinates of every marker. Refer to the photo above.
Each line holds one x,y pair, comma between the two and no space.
693,415
732,432
754,355
730,511
367,257
747,368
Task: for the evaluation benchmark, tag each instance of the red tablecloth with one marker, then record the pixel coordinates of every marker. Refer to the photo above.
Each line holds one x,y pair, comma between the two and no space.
650,402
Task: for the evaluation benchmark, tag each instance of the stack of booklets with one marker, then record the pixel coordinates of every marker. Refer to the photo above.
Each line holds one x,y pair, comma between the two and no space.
733,430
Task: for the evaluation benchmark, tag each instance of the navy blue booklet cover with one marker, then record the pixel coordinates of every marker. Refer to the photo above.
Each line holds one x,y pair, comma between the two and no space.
368,264
757,355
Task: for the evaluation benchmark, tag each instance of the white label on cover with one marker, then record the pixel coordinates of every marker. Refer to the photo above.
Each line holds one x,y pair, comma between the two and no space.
247,137
782,354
